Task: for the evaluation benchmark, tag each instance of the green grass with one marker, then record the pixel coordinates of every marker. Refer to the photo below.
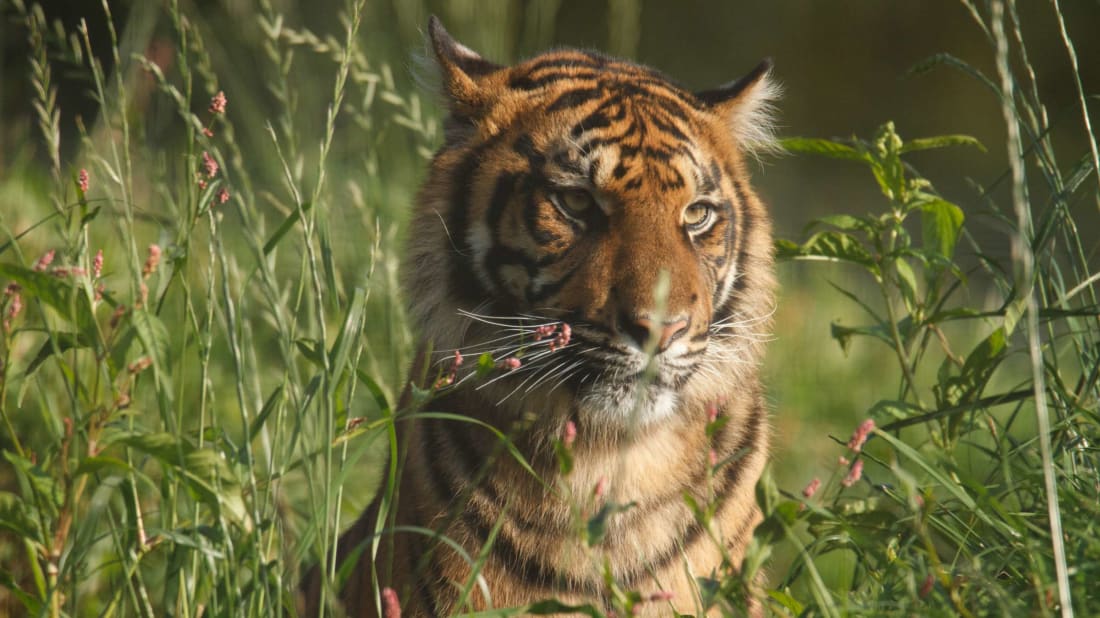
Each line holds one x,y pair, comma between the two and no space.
187,438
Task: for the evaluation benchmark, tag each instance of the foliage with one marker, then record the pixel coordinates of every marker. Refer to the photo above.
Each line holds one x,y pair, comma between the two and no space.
196,373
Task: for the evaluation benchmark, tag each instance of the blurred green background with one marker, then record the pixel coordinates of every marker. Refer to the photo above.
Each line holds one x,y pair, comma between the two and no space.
846,66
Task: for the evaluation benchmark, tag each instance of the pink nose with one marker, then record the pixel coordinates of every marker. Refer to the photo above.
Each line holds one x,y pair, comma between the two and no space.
640,329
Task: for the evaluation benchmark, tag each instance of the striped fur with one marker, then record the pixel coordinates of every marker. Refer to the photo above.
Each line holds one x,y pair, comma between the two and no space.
571,187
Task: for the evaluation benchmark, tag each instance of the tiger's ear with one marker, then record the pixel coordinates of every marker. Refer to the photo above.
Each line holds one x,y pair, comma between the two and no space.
461,69
747,106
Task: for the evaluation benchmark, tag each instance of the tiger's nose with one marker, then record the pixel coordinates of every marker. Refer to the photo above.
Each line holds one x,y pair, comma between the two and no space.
641,328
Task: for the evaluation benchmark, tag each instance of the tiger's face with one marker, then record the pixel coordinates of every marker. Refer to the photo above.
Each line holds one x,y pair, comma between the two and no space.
595,224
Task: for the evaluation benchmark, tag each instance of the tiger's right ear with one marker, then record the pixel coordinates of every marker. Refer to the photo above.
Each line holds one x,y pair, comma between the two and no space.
461,69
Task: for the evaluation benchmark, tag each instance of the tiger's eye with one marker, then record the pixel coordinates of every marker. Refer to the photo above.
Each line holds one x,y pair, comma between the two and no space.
575,202
697,215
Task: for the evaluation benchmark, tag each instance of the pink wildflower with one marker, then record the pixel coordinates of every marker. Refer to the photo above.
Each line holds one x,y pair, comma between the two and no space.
116,316
82,180
565,333
209,164
15,307
202,184
217,104
443,381
926,586
97,264
546,330
391,606
601,488
140,364
511,363
712,413
859,436
842,460
661,596
712,457
151,262
207,132
458,360
223,195
811,488
44,262
569,434
854,474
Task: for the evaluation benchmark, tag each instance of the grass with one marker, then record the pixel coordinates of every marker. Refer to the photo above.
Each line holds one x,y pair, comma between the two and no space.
185,429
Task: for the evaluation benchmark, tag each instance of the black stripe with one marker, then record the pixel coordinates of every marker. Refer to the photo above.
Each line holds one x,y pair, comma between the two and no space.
464,284
575,98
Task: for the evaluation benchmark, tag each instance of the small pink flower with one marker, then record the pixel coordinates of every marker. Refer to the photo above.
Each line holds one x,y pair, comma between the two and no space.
207,132
842,460
926,586
391,606
202,184
209,164
854,474
444,381
712,457
151,262
511,363
457,361
44,262
569,434
712,413
546,330
97,264
601,488
15,307
661,595
565,333
140,365
217,104
223,195
116,316
82,180
859,436
811,488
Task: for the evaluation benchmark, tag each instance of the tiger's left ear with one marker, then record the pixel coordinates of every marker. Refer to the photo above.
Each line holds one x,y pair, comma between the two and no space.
747,105
461,69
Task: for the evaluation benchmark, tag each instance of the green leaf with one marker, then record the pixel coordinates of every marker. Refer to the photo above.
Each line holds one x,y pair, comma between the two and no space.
823,147
844,334
940,224
285,227
597,525
847,222
59,293
895,409
831,245
941,141
907,283
62,342
154,339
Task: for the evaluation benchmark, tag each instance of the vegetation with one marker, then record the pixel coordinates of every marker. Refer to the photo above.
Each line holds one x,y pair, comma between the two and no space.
202,343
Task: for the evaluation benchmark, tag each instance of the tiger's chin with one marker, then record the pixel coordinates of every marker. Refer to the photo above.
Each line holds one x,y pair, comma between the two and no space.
627,405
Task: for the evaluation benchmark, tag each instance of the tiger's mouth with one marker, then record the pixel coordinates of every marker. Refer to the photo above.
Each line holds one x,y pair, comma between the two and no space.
529,356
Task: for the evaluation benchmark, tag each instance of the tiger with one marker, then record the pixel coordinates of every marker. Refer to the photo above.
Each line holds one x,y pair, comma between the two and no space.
590,277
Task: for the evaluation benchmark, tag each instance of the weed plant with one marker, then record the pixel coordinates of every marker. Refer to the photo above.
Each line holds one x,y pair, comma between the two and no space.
202,346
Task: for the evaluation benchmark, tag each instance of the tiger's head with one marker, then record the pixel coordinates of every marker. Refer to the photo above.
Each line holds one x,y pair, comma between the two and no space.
590,225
